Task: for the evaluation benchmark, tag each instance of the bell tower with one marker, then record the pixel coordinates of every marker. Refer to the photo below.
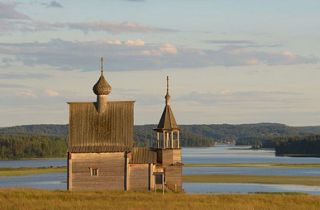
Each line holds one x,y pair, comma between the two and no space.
168,132
167,146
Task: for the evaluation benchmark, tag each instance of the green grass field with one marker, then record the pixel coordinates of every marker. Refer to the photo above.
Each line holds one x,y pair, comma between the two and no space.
30,171
238,178
30,199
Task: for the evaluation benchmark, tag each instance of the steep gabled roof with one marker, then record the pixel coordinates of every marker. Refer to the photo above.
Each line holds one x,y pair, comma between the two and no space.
167,120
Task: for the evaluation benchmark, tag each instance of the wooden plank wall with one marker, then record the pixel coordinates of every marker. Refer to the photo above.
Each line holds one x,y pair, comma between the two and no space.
170,156
173,176
111,171
114,127
139,177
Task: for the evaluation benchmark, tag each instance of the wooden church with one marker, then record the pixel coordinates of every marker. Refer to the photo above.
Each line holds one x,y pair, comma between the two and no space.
101,155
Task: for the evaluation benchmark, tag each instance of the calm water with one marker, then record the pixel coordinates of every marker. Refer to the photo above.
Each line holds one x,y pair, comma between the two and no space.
220,154
247,188
254,171
238,154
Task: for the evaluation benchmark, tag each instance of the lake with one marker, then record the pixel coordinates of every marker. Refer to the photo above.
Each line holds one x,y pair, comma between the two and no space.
218,154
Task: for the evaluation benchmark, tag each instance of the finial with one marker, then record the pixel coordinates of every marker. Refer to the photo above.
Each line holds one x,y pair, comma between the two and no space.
101,65
167,97
168,85
102,87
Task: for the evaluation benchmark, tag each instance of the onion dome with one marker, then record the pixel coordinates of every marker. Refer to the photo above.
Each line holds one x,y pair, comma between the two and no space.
102,87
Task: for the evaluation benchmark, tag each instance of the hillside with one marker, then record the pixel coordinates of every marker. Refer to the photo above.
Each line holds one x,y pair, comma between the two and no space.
191,135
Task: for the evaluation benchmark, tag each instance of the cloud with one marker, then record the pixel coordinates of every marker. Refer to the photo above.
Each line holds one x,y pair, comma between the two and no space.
66,55
169,49
228,42
53,4
114,27
227,97
240,43
86,27
8,11
23,76
136,0
27,93
12,86
136,42
51,93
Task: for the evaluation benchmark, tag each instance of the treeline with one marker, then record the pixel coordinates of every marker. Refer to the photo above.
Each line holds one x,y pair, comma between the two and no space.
145,136
221,132
258,135
298,146
31,146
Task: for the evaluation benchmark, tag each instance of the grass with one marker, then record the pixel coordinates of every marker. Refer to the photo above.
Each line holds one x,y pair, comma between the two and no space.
237,178
256,165
27,199
30,171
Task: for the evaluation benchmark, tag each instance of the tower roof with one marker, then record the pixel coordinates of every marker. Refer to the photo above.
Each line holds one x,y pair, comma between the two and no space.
102,87
167,120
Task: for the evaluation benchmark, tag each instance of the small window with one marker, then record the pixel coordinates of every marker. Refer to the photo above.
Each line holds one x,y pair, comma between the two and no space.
158,178
94,171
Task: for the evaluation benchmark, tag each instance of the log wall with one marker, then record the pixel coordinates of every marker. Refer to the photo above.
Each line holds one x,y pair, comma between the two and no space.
111,171
139,177
170,156
173,176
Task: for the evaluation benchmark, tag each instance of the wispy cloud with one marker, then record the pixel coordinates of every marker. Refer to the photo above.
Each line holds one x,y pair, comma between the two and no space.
27,93
85,27
227,97
8,11
12,86
141,56
227,42
7,76
240,43
53,4
51,93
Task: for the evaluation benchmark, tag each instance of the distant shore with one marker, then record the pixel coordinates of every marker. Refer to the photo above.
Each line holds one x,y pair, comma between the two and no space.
30,171
194,178
256,179
256,165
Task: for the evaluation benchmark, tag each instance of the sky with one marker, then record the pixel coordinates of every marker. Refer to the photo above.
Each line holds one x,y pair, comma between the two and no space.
229,61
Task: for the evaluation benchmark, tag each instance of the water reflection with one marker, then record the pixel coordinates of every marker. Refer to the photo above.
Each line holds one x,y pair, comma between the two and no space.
247,188
238,154
253,171
219,154
41,181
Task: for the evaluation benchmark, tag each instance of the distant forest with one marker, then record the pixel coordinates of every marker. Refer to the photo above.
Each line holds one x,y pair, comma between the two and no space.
31,146
306,146
51,140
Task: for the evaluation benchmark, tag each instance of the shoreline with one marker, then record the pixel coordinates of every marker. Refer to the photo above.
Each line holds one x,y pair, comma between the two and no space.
192,178
254,179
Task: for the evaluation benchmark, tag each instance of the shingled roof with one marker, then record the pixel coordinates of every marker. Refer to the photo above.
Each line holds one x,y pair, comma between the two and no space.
167,120
143,155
